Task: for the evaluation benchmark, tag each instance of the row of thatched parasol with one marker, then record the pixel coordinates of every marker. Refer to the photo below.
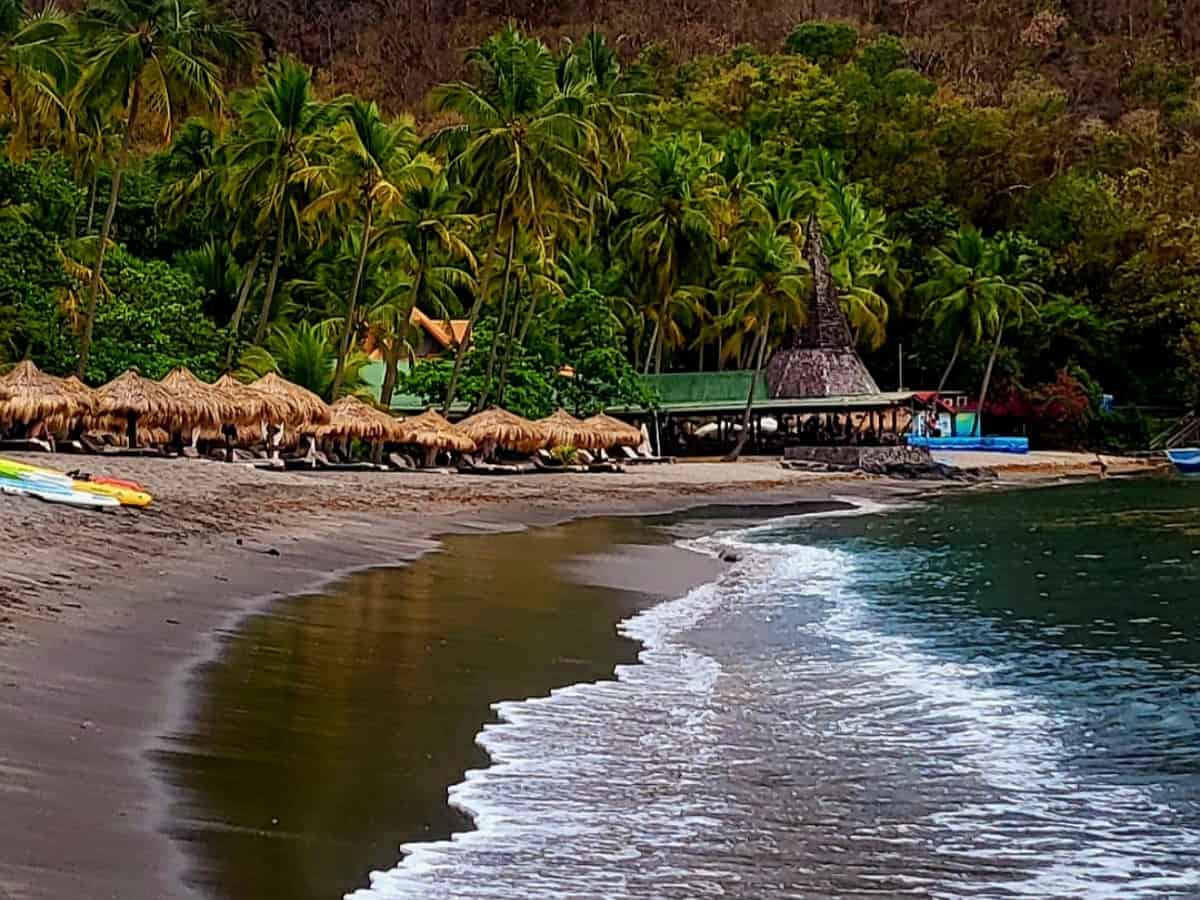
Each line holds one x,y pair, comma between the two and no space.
182,403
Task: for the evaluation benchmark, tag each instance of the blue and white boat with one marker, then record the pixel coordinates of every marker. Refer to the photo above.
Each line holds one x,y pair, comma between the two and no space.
1186,460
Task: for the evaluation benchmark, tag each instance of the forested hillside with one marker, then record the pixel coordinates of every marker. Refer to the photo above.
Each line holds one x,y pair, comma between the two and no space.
1008,194
395,50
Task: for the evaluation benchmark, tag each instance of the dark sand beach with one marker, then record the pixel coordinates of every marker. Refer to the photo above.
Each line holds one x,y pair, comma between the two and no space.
106,616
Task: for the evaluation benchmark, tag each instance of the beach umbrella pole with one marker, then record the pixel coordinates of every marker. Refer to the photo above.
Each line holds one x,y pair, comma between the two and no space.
131,430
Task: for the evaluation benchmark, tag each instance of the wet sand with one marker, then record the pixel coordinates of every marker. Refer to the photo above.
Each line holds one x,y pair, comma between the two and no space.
106,615
330,728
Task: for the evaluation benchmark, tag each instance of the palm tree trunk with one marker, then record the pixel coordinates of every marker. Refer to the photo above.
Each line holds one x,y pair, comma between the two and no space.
650,349
391,362
491,366
512,342
461,356
89,319
92,193
235,323
977,429
264,319
950,365
512,345
762,358
339,372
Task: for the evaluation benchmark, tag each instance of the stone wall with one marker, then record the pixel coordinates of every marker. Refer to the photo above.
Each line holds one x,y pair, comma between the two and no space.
866,458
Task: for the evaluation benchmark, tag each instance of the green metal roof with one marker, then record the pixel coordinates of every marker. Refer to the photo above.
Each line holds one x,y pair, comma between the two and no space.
718,393
705,387
372,375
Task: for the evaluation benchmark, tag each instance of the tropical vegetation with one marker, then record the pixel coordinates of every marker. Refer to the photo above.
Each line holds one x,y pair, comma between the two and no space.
595,212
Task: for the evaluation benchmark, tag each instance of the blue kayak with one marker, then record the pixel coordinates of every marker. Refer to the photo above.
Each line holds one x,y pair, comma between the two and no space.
1186,460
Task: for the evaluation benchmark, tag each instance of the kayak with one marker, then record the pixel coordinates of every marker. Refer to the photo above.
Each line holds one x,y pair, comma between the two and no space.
123,495
53,492
10,468
127,493
116,482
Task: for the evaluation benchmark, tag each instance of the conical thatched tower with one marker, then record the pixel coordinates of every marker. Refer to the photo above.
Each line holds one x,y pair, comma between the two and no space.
822,361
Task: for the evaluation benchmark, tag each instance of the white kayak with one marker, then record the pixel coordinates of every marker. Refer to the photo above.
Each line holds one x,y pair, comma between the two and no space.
55,492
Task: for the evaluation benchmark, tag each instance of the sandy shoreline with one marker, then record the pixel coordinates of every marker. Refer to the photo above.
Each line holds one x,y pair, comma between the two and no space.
103,616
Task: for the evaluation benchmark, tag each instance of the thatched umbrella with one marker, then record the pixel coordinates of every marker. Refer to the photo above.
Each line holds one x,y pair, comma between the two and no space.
432,432
203,403
614,432
564,430
35,396
500,428
350,417
251,405
139,400
304,407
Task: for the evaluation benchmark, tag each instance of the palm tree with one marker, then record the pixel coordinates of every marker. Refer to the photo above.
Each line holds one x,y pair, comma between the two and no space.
766,285
390,330
34,67
524,146
671,198
149,56
271,146
1014,265
861,260
214,269
537,274
371,164
302,353
429,227
965,293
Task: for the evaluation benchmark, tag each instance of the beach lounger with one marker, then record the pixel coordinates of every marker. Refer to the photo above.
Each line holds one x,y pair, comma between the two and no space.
470,466
635,458
26,445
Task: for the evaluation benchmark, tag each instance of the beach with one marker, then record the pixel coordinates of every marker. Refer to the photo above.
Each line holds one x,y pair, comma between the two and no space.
105,617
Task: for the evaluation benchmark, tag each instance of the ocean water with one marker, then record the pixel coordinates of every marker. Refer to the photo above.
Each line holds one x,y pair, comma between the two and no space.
994,694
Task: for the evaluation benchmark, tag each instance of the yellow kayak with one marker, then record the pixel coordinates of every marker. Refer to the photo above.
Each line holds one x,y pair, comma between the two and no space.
124,496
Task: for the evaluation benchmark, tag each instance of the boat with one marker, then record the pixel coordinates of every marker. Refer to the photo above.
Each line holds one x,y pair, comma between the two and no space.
1186,460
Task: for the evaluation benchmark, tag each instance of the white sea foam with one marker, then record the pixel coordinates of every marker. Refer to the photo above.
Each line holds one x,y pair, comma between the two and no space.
825,754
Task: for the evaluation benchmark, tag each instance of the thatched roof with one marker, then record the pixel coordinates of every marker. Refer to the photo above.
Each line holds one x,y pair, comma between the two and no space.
821,360
204,403
564,430
87,396
614,432
431,430
33,395
504,429
254,406
350,417
304,407
129,394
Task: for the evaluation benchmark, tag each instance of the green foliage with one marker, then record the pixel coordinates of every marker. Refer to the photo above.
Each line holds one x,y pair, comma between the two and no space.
882,57
304,354
31,276
152,319
824,43
41,192
654,210
564,456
